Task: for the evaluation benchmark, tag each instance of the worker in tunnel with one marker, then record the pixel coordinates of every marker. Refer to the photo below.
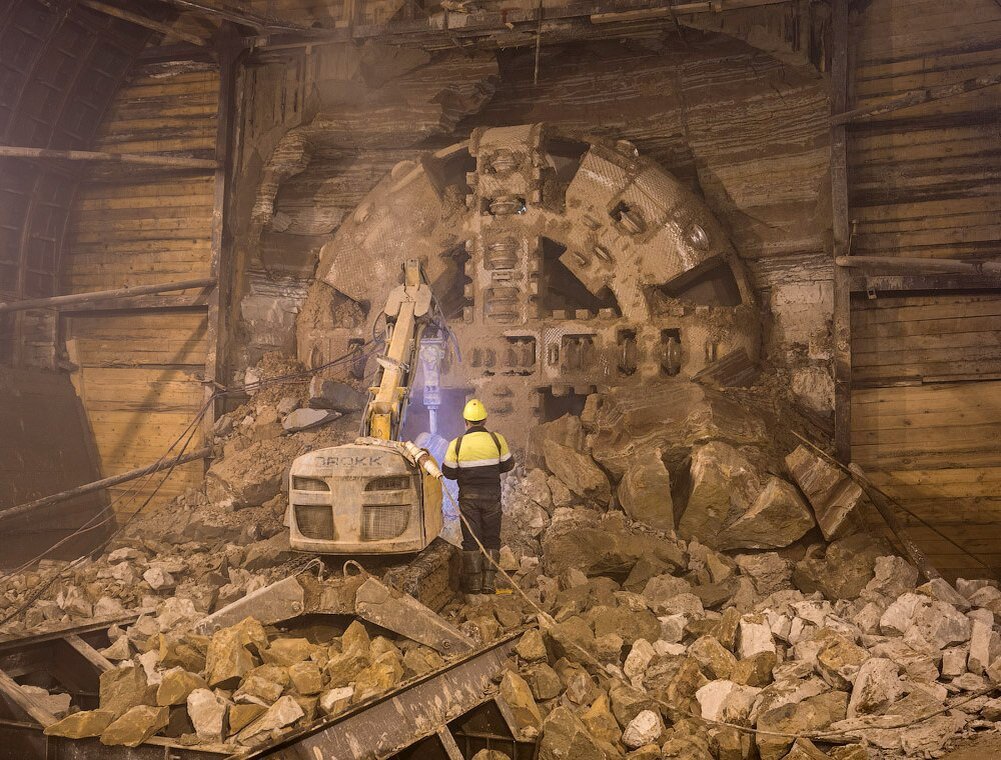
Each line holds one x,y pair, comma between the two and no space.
477,459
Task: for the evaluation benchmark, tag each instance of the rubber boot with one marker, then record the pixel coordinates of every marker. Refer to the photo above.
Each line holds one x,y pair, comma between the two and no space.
490,572
472,572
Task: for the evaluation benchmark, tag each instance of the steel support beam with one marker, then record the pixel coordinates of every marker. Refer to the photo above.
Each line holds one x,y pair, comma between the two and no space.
99,296
141,159
841,234
383,726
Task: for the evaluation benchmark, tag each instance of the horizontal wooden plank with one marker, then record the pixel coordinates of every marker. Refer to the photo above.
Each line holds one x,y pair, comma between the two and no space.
862,329
919,419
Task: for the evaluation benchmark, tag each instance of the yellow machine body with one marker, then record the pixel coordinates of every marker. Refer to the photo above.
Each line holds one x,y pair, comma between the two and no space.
368,497
373,496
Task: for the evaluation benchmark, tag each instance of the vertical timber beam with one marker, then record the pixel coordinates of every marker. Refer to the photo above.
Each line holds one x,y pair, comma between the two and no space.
229,48
840,63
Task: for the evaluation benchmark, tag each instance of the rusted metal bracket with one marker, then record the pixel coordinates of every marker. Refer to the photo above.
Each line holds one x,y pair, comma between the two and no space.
404,615
373,601
280,601
385,725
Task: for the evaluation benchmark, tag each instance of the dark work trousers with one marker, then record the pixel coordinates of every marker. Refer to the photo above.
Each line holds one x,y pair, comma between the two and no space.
483,511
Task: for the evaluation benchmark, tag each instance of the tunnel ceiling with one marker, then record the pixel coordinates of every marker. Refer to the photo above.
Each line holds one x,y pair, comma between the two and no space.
60,66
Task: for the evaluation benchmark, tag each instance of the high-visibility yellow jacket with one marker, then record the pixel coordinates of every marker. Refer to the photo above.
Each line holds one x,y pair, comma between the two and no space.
476,459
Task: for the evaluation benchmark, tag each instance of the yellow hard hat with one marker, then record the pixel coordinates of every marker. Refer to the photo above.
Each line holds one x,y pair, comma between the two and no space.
474,411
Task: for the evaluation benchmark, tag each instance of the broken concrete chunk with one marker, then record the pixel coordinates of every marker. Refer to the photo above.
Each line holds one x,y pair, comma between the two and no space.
645,493
833,495
135,726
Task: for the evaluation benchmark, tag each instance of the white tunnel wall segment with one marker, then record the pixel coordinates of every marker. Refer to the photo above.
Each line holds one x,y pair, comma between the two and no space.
649,286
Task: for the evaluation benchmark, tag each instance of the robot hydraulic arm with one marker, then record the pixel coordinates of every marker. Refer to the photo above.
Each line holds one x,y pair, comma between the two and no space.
410,310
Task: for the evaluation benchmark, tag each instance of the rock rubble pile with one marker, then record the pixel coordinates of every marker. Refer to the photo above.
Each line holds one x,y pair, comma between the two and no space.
691,591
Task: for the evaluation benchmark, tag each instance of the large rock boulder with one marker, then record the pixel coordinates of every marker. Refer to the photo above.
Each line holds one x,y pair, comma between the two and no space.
233,651
565,737
121,689
82,724
730,506
251,476
671,416
832,494
724,485
810,716
645,492
207,713
578,471
844,571
136,726
777,518
602,546
565,431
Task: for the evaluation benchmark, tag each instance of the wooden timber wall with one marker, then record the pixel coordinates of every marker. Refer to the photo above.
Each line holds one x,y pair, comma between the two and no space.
140,370
36,460
924,182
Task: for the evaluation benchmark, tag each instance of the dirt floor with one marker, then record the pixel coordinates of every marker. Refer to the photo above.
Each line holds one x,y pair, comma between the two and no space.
981,748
